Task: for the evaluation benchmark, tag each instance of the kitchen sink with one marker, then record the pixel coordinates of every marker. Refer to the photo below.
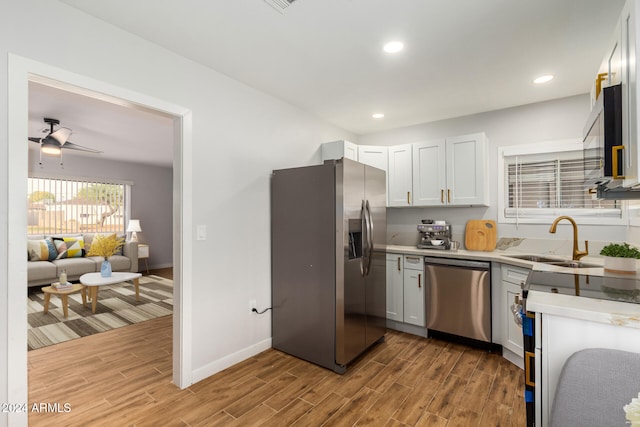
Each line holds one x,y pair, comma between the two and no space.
554,261
574,264
535,258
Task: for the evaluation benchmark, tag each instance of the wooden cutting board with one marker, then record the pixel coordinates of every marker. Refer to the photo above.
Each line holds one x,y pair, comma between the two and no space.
480,235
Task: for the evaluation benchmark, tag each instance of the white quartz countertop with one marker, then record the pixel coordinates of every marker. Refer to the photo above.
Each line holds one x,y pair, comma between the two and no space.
503,257
594,310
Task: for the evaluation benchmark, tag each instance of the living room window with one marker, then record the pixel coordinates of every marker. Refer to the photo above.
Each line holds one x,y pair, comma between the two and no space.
76,205
540,182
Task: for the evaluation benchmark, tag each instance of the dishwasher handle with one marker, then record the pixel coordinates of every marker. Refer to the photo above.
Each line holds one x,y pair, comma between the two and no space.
458,263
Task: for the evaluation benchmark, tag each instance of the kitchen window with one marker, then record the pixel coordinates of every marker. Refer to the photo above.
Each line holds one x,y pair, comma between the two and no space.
542,181
76,205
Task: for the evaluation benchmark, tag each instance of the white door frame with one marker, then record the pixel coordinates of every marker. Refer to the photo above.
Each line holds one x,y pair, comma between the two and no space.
20,71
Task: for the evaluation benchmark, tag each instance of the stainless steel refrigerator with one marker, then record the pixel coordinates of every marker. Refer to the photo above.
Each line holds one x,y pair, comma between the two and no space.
328,231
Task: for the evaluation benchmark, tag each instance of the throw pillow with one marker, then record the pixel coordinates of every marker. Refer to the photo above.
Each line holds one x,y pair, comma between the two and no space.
41,250
69,247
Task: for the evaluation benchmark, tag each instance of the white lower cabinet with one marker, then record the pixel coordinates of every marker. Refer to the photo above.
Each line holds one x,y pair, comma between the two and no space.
395,287
414,294
405,290
512,277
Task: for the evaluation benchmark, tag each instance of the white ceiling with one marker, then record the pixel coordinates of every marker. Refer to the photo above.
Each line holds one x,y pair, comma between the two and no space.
461,56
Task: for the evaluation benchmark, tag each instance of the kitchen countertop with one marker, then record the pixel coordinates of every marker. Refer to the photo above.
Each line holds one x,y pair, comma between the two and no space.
583,308
502,257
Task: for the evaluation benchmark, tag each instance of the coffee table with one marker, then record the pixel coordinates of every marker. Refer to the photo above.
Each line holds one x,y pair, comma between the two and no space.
93,281
63,295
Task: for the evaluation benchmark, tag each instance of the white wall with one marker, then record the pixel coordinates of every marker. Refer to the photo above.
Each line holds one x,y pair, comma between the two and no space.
238,136
545,121
151,195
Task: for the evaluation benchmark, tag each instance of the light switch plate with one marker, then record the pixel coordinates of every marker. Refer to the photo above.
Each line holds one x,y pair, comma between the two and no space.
201,232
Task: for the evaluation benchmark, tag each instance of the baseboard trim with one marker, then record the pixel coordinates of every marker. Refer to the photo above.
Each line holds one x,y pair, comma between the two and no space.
155,266
407,328
230,360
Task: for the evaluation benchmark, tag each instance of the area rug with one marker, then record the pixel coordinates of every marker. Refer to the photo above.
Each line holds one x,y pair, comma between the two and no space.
117,307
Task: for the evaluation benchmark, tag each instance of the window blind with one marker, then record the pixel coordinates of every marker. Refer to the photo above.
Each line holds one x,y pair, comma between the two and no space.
547,184
58,205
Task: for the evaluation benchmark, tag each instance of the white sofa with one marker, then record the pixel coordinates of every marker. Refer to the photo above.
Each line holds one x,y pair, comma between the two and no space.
45,272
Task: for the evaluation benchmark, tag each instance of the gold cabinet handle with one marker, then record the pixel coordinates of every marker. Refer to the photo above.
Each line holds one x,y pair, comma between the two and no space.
529,358
398,263
614,158
408,197
442,195
419,280
448,196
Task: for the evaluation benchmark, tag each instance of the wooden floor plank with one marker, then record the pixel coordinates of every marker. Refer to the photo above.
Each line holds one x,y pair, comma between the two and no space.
123,377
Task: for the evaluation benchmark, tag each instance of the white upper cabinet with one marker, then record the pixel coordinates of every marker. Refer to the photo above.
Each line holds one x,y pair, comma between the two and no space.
373,156
467,183
338,149
400,176
444,172
429,173
451,172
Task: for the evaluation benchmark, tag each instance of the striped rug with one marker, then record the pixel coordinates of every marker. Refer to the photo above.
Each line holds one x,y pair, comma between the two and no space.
117,307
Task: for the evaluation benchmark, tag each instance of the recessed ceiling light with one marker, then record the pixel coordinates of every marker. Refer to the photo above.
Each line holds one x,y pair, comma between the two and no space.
393,47
543,79
377,115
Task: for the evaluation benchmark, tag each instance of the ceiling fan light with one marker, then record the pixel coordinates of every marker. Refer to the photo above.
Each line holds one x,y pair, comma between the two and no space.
50,149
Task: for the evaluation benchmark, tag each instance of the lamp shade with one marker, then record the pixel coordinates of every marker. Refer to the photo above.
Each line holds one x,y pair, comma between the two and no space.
134,225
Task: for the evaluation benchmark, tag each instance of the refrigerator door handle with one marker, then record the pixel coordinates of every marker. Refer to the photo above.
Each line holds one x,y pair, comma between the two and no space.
363,220
369,237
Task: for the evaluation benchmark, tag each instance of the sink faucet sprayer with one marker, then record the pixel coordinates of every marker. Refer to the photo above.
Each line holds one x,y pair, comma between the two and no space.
577,254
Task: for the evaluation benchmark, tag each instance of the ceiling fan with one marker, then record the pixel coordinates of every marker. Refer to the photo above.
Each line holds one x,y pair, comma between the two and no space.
55,140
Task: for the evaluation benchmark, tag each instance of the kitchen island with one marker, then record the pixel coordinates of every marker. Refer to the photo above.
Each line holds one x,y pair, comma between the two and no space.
573,312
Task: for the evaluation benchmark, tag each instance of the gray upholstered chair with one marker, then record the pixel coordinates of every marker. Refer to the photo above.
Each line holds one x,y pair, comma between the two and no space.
593,387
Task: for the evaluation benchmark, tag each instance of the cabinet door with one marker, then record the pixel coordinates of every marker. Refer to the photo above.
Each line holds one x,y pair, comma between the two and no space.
429,174
414,291
395,291
338,149
630,98
373,156
467,183
400,175
513,333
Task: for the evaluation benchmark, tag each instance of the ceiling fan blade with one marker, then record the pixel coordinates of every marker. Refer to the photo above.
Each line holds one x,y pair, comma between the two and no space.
73,146
32,139
61,135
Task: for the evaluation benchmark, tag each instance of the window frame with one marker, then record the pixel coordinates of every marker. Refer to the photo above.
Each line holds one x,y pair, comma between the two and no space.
581,215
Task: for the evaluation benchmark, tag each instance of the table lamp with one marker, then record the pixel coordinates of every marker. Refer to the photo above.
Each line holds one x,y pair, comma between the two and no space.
134,228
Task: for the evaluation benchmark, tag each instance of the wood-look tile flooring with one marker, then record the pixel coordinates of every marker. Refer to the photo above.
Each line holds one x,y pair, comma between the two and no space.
123,378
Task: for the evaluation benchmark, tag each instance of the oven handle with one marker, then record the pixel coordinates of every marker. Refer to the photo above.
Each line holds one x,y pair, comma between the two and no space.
448,262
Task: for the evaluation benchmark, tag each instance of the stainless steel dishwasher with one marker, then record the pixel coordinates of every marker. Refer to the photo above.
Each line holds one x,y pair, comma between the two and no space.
458,297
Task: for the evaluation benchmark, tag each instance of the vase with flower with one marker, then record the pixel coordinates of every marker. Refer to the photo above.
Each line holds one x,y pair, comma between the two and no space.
105,247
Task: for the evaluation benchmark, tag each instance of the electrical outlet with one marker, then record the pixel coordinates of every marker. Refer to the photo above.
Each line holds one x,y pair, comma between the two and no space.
252,304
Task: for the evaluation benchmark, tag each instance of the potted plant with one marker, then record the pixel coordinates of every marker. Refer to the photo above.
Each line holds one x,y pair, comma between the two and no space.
620,258
105,246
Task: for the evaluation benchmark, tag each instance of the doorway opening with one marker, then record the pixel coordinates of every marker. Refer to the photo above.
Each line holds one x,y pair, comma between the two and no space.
21,72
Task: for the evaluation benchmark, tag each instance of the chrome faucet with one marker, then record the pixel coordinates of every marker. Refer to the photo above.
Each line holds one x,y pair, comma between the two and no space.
577,254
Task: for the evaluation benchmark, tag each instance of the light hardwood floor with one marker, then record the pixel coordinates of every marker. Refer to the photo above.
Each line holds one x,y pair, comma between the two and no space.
123,377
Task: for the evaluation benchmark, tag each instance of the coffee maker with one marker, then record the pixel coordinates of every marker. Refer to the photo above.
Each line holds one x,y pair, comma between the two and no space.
434,234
